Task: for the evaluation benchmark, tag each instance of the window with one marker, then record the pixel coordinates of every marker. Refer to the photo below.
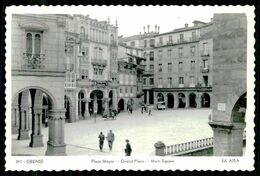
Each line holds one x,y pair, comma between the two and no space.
131,89
160,54
144,81
180,66
205,48
95,71
126,90
193,36
192,80
100,71
192,50
169,67
120,90
181,80
170,39
131,51
132,43
151,42
192,65
145,43
151,81
160,81
181,37
180,52
151,56
205,63
151,67
160,67
33,47
161,40
169,53
170,82
82,31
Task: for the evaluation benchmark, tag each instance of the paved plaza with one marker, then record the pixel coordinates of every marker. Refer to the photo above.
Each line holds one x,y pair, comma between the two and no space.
168,126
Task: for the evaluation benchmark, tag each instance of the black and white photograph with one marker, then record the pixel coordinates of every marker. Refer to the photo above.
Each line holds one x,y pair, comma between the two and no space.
142,85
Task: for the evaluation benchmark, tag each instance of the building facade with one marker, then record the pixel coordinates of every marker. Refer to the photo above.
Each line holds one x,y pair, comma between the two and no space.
91,64
178,65
37,45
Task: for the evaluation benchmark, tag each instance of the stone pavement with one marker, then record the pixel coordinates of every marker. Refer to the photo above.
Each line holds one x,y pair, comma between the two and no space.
169,126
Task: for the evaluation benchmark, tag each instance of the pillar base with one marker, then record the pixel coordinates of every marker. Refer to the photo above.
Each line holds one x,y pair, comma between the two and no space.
36,141
23,135
56,149
228,138
15,129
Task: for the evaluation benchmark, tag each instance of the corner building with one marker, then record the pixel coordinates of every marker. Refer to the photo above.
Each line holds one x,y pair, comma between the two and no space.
91,67
178,65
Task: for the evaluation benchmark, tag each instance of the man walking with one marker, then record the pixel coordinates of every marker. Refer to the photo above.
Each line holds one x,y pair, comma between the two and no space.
110,139
128,149
101,141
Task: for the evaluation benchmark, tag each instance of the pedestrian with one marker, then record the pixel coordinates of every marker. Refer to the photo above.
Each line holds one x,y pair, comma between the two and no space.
101,141
110,139
128,149
131,109
46,122
142,109
149,111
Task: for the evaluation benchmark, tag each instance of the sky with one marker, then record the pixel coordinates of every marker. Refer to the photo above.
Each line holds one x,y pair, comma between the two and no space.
132,19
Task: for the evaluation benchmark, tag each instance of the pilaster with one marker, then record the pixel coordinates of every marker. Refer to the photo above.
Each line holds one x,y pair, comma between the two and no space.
23,132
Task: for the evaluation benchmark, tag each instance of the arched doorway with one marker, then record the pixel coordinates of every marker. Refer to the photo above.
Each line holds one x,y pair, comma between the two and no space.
81,104
239,110
192,100
160,97
181,98
170,101
121,105
67,105
96,103
205,100
32,111
110,95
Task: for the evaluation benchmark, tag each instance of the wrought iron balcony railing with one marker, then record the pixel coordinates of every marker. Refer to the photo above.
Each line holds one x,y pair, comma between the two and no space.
101,62
34,61
204,53
204,69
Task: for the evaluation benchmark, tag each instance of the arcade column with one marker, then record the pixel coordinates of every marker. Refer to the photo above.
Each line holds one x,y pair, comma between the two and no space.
55,144
36,136
86,114
23,132
176,101
15,119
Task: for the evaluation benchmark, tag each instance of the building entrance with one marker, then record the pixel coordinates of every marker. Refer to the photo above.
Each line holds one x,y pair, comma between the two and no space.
96,103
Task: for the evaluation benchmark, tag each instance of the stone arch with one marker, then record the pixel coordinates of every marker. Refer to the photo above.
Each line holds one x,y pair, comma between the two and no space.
192,100
182,100
81,102
121,105
50,95
67,106
160,97
170,100
97,101
239,110
205,100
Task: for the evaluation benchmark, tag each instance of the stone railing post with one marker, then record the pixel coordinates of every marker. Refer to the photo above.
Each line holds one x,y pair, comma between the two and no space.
55,144
159,148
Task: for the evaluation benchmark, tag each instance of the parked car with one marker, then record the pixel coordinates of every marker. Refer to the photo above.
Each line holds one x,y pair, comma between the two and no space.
161,105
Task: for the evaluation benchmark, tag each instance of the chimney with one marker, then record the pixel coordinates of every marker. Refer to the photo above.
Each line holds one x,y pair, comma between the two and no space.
140,33
186,25
144,29
148,28
108,20
211,19
116,23
155,28
158,29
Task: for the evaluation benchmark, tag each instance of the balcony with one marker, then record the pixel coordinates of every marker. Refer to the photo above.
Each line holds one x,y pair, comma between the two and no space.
204,69
83,83
70,85
83,37
169,42
100,62
194,39
204,53
141,67
148,72
69,67
34,61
